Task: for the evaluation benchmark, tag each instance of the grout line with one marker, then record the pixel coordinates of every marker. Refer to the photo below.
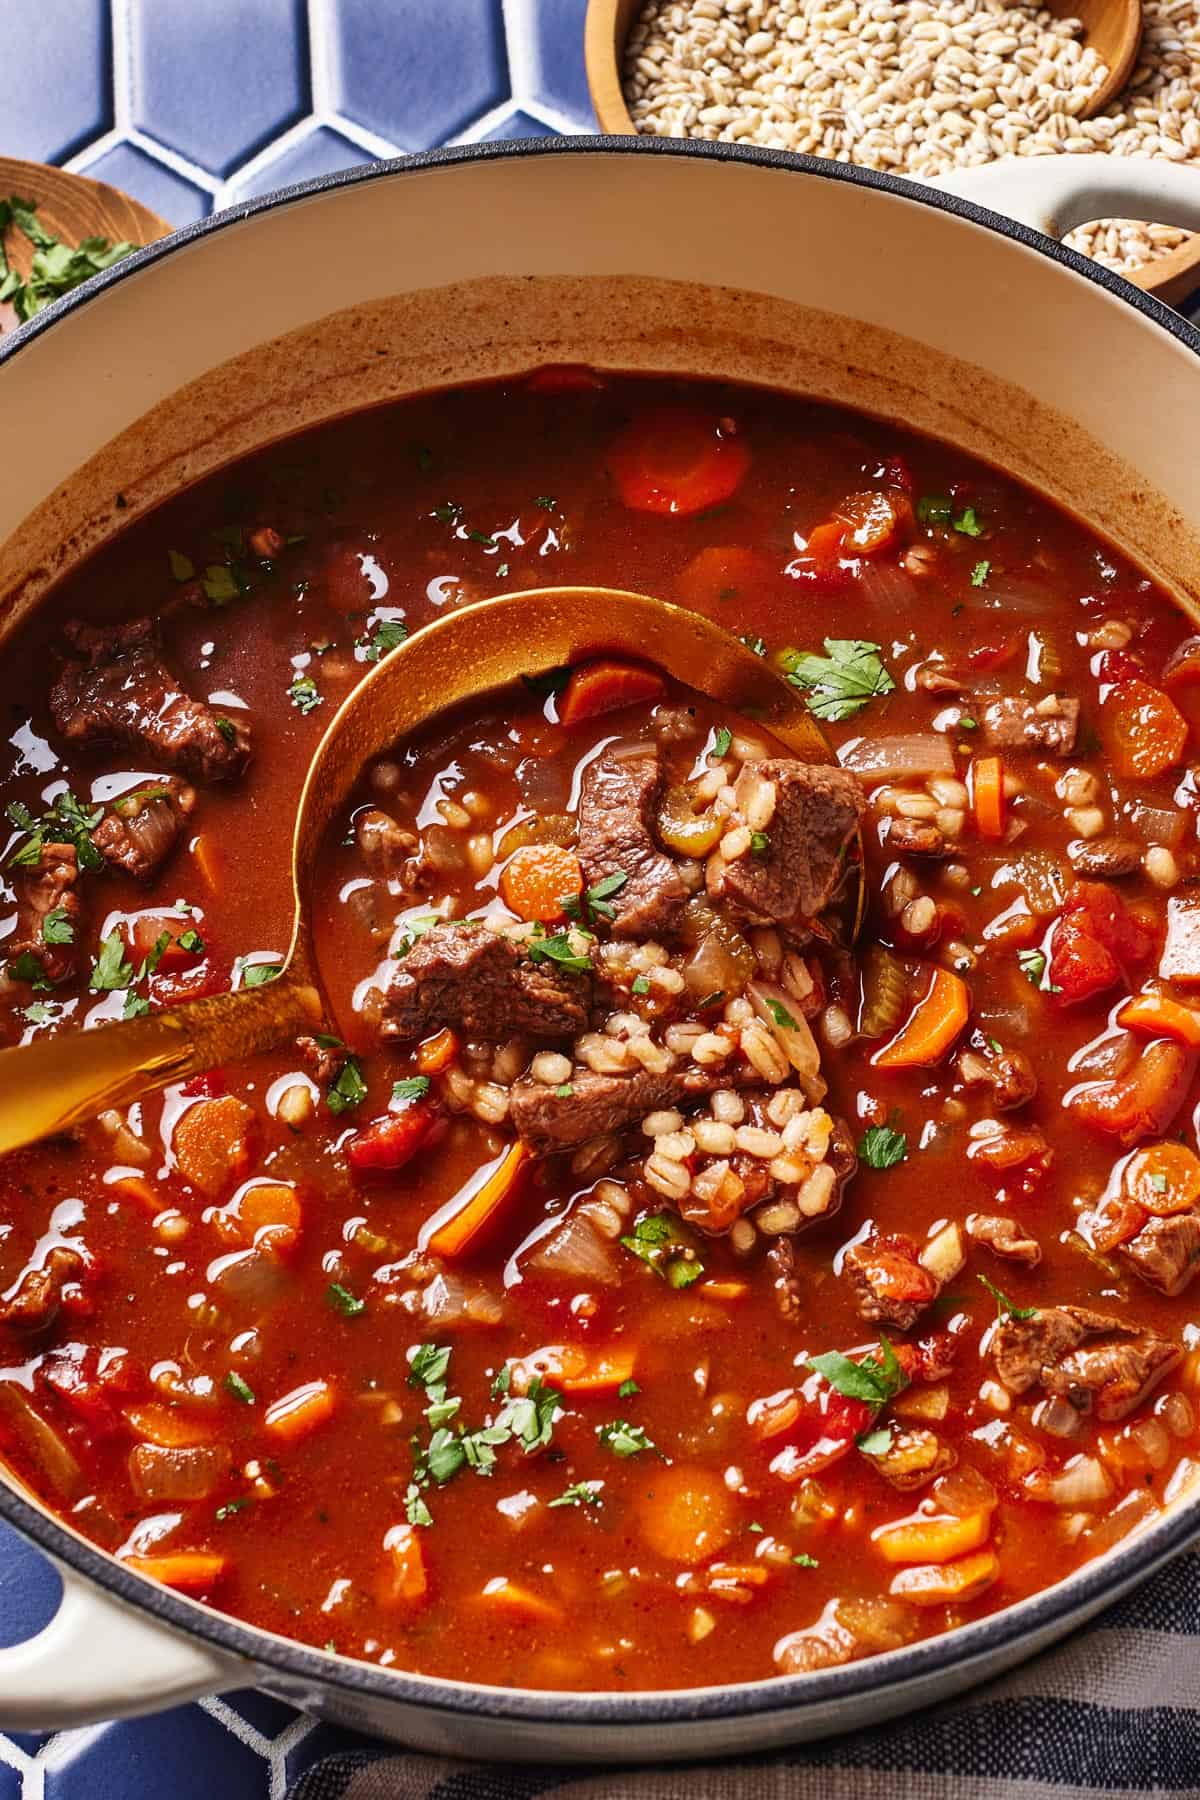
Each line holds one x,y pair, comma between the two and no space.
171,159
379,147
497,115
320,59
230,189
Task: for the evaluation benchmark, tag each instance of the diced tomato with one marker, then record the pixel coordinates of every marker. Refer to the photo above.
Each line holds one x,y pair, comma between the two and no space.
825,541
997,654
1095,939
142,934
91,1393
1143,1101
387,1143
1118,665
563,378
677,460
813,1424
1144,731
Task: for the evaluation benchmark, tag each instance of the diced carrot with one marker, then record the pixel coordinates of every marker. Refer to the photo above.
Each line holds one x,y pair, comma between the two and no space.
987,791
269,1214
168,1426
143,1193
389,1142
213,1143
687,1515
1144,731
521,1602
1163,1178
677,460
538,878
295,1415
932,1026
947,1584
722,572
405,1581
1160,1016
437,1052
873,521
455,1233
206,853
576,1370
826,541
605,686
934,1539
723,1290
190,1571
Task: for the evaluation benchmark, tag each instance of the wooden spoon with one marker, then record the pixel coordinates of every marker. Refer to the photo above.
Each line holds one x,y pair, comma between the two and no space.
55,1082
71,207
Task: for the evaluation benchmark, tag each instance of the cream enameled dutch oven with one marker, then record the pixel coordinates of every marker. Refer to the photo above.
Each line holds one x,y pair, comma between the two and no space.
629,254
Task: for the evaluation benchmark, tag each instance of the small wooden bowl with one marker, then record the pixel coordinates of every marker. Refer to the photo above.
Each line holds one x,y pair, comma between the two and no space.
1114,29
72,207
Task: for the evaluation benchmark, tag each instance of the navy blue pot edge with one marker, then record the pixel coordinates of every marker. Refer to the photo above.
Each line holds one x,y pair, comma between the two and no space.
983,1640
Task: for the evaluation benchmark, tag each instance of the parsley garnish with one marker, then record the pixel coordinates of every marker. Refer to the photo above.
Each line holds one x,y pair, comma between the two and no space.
877,1442
228,730
57,927
875,1379
968,523
805,1561
448,513
191,941
596,902
1005,1308
56,268
757,644
112,969
239,1388
882,1148
980,573
343,1301
304,694
429,1366
641,984
721,742
580,1493
564,1090
628,1389
415,1509
413,1087
416,928
547,502
221,584
760,844
559,950
660,1242
529,1417
389,634
781,1015
26,967
1032,964
66,821
935,509
624,1439
182,567
840,683
349,1089
255,974
233,1506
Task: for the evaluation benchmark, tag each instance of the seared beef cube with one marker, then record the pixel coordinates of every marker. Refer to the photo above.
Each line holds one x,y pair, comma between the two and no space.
32,1303
817,810
141,829
385,847
1166,1251
916,837
616,837
601,1105
1106,858
1022,725
1054,1349
891,1285
1180,960
117,691
1004,1237
482,985
46,889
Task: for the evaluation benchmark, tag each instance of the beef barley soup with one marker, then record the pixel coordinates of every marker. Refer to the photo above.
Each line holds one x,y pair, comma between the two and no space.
649,1285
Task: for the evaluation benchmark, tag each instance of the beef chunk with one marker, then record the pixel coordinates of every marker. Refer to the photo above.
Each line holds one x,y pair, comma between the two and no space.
48,887
1106,858
1022,725
616,836
117,690
1166,1251
141,829
483,985
385,847
1004,1237
324,1061
1180,959
1096,1363
602,1104
1008,1074
33,1303
817,810
890,1283
786,1283
916,837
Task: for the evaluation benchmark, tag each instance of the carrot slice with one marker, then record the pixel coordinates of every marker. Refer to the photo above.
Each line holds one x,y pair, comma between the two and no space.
687,1515
1160,1016
190,1571
575,1370
213,1142
405,1581
1144,731
269,1214
987,790
453,1236
209,861
604,686
168,1427
827,540
521,1602
297,1414
1163,1178
931,1027
143,1193
437,1052
677,460
538,878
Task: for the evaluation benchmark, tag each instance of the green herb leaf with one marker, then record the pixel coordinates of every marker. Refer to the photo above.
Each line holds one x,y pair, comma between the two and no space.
415,1509
624,1439
1032,964
134,1006
220,584
413,1087
721,742
980,573
564,1090
968,523
882,1148
349,1089
877,1442
343,1301
760,844
256,974
580,1493
628,1389
875,1379
805,1561
935,509
112,969
530,1416
641,984
559,950
841,682
781,1015
547,502
233,1506
389,634
757,644
661,1242
1006,1308
57,927
429,1365
304,694
228,730
239,1388
191,941
596,901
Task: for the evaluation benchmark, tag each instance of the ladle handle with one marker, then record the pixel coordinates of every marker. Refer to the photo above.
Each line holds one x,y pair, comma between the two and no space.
59,1080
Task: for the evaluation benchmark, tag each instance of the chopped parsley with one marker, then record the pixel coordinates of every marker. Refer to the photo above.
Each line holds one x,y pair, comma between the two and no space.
881,1147
343,1301
256,974
628,1389
448,513
1032,964
233,1506
239,1388
191,941
980,573
429,1367
559,950
1006,1308
641,984
580,1493
596,902
721,742
624,1439
57,927
660,1242
760,844
529,1417
757,644
304,694
876,1442
67,821
182,567
564,1090
349,1089
935,509
415,928
805,1561
228,730
875,1379
221,584
112,969
413,1087
415,1509
39,1013
389,634
968,523
56,268
781,1015
840,683
26,967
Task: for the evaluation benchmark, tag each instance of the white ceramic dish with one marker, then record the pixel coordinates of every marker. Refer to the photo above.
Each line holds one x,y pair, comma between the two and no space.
627,254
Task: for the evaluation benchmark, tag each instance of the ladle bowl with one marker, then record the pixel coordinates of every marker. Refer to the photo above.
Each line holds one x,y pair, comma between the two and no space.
57,1081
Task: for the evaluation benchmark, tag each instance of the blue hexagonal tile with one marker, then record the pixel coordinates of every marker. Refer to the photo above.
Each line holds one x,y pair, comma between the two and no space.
149,181
321,153
550,33
57,79
30,1589
217,82
182,1753
517,125
10,1781
417,73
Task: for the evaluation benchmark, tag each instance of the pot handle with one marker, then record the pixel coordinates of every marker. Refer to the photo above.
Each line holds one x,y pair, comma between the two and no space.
100,1659
1055,193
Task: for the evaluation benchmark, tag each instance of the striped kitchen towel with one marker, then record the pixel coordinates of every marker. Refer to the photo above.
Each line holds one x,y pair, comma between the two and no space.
1114,1711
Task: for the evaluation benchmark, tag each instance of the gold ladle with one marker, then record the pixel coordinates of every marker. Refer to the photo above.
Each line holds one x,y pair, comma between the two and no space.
57,1081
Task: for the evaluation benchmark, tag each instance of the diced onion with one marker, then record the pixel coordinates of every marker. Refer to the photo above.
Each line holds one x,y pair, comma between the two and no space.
906,756
795,1039
1057,1416
192,1473
943,1255
577,1251
1083,1481
886,586
963,1490
40,1442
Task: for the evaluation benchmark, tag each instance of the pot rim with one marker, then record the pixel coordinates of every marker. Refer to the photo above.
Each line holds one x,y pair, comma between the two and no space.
984,1639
